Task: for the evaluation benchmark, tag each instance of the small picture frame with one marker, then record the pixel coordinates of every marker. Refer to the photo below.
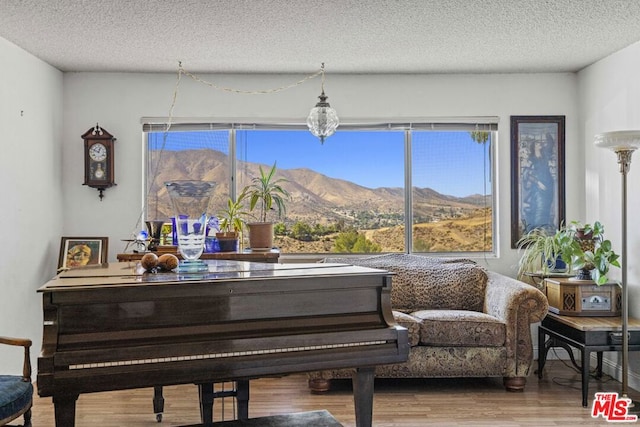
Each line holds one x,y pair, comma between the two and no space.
537,174
80,251
166,235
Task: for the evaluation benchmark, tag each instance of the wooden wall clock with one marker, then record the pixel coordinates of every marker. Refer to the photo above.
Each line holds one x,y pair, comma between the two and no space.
98,159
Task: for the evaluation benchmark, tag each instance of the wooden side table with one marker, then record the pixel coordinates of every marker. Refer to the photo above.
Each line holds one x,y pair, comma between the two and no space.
587,334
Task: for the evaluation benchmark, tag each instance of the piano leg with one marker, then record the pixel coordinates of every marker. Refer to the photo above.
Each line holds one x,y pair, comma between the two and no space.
242,397
158,403
208,396
65,409
205,391
363,396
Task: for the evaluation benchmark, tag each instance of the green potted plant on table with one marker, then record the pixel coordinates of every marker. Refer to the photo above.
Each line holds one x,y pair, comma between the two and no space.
590,253
266,194
231,223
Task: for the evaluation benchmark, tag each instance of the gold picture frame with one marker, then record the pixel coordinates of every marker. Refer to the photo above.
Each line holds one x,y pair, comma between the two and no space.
80,251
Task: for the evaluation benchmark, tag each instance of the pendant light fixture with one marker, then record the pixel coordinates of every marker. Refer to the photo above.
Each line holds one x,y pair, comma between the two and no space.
322,120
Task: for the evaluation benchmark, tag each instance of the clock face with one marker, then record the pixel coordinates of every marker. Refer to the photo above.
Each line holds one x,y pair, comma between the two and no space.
98,152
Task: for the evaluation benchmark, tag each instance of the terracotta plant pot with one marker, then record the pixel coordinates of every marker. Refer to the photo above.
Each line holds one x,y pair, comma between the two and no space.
260,236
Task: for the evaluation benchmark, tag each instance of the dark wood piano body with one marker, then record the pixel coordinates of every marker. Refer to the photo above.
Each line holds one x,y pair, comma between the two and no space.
116,327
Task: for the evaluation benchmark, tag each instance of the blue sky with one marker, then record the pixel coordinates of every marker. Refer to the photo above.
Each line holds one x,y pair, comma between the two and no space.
448,162
368,159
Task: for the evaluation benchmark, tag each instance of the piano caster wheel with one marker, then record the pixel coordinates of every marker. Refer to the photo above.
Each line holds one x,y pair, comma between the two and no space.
159,418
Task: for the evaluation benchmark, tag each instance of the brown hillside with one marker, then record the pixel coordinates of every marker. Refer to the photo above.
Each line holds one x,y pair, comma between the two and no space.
315,198
466,234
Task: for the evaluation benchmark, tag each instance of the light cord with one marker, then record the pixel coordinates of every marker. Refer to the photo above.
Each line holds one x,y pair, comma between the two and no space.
182,70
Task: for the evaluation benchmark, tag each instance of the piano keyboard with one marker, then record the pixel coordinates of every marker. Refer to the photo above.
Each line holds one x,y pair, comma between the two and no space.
221,355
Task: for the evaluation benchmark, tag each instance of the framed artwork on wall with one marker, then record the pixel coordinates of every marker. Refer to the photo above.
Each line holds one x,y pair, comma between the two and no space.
80,251
537,174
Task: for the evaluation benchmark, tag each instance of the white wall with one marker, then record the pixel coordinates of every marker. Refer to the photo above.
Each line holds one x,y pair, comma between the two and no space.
31,212
610,100
118,101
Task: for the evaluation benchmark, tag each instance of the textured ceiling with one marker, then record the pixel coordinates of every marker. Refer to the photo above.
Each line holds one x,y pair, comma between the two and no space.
296,36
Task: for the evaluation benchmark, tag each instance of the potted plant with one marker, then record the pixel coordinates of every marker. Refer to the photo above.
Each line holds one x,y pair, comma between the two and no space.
590,253
541,252
266,194
231,223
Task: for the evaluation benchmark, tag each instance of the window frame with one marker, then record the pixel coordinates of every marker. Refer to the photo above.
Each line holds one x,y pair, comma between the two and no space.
483,124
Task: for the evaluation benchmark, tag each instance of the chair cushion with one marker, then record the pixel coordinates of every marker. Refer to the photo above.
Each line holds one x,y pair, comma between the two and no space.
423,283
460,328
15,396
411,323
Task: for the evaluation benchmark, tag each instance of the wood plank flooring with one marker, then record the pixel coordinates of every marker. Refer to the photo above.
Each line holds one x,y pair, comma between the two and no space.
553,401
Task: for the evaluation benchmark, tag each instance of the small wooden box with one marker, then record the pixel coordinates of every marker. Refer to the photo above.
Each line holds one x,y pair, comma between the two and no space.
167,249
570,297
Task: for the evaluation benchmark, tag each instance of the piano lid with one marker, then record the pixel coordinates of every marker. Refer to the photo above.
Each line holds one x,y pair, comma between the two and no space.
118,274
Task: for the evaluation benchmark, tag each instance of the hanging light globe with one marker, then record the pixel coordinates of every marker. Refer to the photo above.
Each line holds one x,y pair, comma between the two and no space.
323,120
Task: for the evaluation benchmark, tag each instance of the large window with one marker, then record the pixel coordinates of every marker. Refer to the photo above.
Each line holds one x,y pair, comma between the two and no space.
392,188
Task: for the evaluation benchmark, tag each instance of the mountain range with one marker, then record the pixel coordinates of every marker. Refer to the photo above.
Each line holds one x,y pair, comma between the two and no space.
315,198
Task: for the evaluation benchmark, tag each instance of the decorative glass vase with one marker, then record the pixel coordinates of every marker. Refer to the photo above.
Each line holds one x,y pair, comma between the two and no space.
190,200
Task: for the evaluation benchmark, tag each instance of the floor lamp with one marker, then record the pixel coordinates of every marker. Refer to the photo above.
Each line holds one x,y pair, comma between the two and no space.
623,143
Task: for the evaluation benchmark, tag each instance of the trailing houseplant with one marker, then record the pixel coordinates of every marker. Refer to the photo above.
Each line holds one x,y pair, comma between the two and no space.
266,194
581,246
541,252
590,253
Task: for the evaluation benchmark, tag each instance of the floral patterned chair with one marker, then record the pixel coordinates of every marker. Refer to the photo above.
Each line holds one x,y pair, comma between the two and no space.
463,321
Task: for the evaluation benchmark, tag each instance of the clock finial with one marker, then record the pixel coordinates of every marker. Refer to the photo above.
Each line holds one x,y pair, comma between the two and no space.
97,130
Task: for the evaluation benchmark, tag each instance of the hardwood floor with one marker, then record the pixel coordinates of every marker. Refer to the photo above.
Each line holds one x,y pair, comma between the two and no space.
553,401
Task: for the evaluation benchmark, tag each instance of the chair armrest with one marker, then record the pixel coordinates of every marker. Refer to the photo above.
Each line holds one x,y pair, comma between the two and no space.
22,342
505,296
518,305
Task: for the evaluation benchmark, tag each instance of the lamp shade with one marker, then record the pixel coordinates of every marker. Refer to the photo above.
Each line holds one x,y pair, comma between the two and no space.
621,140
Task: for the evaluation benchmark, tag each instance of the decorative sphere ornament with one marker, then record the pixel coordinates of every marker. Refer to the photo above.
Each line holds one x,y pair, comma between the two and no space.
149,261
168,262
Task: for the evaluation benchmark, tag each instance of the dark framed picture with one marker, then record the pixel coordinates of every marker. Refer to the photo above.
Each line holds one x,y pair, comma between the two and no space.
80,251
537,174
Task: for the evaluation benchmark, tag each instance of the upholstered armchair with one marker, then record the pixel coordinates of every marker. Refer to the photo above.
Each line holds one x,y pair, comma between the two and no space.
16,392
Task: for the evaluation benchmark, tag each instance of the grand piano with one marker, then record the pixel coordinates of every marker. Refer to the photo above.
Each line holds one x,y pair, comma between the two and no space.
115,326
